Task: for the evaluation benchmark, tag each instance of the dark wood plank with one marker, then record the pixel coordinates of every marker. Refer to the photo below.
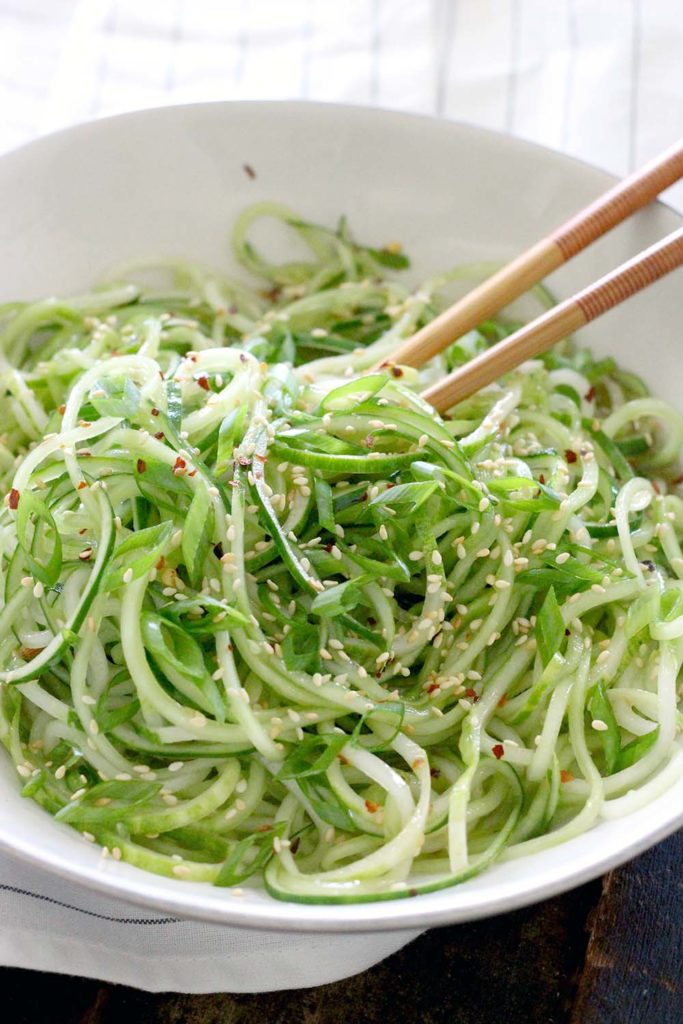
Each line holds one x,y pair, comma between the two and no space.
520,968
634,962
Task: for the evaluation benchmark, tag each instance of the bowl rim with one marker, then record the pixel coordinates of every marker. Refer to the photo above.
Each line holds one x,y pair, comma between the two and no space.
186,899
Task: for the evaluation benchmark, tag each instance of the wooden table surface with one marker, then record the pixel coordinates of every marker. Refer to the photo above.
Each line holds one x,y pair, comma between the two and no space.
610,952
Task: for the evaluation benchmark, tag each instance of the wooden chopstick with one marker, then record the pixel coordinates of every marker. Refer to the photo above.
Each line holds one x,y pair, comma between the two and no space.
632,276
541,259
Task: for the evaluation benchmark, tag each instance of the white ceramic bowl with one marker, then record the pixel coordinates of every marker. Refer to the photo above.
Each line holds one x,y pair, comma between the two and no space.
171,181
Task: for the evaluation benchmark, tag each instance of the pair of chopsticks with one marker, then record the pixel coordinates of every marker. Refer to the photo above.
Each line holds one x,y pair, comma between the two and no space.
610,209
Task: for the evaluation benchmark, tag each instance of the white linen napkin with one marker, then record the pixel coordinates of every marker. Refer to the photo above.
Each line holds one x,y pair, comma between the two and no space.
600,79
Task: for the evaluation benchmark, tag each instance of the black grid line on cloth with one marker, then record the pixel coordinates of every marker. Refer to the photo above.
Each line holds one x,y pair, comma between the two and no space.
513,69
375,49
175,40
242,44
443,62
108,27
307,54
573,38
636,36
89,913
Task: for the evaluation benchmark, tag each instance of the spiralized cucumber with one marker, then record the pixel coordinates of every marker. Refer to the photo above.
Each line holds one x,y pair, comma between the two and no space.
266,616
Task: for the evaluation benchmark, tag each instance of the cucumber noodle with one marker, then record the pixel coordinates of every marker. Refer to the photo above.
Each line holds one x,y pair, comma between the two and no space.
266,615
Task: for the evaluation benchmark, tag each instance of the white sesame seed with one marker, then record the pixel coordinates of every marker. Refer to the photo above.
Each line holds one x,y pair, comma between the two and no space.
599,725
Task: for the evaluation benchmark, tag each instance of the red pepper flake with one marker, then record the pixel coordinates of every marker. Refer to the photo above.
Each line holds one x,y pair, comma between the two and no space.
294,846
655,487
541,478
590,394
193,472
432,688
160,436
179,466
498,751
204,383
472,694
141,465
677,480
61,410
249,171
263,828
155,412
84,530
503,701
29,653
261,458
569,455
435,773
372,806
161,563
566,776
396,371
82,485
13,500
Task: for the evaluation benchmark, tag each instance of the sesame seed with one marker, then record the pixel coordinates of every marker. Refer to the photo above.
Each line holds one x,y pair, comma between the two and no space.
128,576
599,725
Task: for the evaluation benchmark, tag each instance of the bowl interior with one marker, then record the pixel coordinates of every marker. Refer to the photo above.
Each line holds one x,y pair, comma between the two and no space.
170,182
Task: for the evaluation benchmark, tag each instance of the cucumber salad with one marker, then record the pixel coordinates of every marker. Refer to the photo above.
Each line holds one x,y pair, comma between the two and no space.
267,618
